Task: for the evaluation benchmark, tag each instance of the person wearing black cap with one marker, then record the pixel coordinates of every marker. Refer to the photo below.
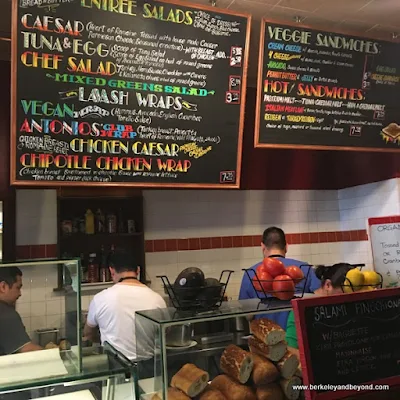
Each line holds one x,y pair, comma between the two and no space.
112,311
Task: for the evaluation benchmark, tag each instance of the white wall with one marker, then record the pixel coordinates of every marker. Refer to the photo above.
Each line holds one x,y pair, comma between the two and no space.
358,203
36,217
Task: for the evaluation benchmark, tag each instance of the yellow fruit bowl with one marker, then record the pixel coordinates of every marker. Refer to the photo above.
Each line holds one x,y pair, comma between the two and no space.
361,281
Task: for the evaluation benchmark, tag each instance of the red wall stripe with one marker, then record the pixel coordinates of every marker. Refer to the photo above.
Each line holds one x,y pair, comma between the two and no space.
226,242
393,219
207,243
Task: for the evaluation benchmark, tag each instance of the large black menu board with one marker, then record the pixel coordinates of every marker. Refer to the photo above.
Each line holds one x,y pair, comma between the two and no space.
127,92
324,90
349,340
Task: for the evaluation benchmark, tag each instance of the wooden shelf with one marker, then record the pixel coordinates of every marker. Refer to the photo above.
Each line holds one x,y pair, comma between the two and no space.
127,205
95,285
85,287
99,235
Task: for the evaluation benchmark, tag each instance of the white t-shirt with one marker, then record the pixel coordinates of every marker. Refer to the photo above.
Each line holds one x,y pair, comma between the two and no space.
113,311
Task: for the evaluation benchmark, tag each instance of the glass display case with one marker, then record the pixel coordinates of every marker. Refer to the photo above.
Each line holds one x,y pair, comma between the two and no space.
105,375
167,339
67,365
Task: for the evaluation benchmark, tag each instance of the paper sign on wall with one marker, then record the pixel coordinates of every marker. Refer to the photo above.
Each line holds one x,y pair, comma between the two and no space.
385,242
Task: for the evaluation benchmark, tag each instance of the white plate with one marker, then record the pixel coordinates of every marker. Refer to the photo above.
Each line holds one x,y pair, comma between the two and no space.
176,348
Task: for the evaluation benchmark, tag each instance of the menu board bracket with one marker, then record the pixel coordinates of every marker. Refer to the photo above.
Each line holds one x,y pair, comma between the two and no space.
319,90
143,93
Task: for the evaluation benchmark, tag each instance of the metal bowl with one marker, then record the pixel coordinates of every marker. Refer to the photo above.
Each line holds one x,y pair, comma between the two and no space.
179,335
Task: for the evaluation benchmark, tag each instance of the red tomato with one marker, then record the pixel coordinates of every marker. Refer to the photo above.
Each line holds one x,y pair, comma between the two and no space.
283,287
273,266
264,281
295,273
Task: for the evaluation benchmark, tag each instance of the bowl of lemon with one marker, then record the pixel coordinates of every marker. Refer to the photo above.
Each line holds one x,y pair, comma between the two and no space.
361,280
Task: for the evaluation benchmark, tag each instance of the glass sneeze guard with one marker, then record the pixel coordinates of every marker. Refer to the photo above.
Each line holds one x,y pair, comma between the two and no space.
170,316
50,364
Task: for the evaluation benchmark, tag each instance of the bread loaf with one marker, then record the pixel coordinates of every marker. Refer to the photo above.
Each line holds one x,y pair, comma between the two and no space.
299,372
287,366
212,394
287,386
264,371
173,394
273,353
190,380
267,331
50,345
236,363
270,392
231,389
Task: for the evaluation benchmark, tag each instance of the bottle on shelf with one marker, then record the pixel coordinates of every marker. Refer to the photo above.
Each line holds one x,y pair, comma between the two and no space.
131,226
100,221
82,225
75,225
89,222
93,269
109,257
84,271
111,223
121,222
104,272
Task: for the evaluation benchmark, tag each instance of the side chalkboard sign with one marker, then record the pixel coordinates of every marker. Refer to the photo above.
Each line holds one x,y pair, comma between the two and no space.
325,90
127,92
348,340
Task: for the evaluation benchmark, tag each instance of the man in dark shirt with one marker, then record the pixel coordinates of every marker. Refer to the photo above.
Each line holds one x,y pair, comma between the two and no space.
13,336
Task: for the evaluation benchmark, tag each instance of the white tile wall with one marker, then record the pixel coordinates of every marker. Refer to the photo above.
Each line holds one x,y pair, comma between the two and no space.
359,203
39,306
36,217
202,213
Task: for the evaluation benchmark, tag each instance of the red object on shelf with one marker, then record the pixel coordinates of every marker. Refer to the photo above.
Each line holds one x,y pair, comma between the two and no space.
273,266
283,287
262,281
295,273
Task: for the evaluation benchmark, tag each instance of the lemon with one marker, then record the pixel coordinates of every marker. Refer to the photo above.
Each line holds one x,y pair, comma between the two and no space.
366,288
371,278
356,278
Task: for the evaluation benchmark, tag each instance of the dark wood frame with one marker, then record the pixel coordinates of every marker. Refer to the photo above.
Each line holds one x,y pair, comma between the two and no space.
13,124
257,143
299,307
9,225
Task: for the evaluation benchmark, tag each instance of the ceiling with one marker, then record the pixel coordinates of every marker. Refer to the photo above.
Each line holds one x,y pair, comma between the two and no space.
373,18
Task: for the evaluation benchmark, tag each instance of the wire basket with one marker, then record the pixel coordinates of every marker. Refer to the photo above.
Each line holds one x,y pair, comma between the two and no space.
199,299
349,287
263,288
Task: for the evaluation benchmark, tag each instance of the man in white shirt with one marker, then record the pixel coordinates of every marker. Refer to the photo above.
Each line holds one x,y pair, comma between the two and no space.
113,310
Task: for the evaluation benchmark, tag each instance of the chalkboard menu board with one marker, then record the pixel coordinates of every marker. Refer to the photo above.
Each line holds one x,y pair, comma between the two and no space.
127,92
324,90
350,339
